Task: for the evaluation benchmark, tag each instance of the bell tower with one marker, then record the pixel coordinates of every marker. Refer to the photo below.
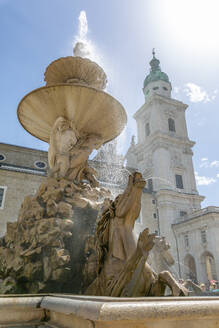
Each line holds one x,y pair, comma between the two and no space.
163,152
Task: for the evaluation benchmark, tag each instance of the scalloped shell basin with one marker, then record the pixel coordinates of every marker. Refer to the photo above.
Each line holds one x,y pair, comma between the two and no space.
92,110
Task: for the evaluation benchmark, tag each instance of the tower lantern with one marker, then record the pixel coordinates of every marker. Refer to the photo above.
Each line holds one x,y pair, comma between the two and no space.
156,81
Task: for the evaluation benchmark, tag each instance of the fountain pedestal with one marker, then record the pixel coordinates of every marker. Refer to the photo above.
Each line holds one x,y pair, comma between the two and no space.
65,311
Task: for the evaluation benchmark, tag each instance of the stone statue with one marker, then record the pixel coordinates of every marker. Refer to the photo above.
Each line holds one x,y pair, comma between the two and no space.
69,152
196,288
44,250
122,268
63,138
160,256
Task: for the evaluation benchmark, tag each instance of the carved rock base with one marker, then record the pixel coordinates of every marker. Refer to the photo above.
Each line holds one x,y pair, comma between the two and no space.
44,250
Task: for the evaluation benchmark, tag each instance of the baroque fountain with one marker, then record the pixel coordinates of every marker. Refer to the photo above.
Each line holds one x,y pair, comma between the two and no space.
71,238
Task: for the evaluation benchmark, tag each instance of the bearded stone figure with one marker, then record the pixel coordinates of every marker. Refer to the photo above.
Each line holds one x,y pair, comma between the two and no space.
69,152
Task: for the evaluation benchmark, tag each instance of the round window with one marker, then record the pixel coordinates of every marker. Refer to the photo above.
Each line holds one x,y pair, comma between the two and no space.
40,165
2,157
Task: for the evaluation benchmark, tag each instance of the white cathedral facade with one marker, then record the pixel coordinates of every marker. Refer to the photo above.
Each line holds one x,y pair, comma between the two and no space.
172,205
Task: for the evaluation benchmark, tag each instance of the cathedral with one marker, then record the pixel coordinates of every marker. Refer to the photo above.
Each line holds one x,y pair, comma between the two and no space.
171,204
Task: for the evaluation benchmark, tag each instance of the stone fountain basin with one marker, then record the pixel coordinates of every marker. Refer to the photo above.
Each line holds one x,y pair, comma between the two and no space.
107,312
82,69
91,109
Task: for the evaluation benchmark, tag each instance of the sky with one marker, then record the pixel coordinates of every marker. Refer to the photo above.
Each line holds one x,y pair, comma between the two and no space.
120,35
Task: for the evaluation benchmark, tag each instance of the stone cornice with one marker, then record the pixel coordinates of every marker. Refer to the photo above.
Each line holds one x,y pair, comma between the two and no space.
4,146
175,194
163,140
195,224
22,169
205,213
162,99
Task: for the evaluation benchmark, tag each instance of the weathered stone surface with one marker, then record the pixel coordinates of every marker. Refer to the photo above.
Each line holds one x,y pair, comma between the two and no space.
161,258
75,70
122,268
44,250
90,109
102,312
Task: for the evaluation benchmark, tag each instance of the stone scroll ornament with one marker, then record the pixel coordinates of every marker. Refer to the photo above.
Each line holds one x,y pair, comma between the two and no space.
69,152
122,268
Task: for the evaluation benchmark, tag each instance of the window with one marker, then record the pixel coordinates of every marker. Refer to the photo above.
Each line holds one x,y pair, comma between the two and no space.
171,125
156,232
147,129
155,215
139,219
183,213
165,88
2,157
150,185
179,181
155,88
2,196
203,237
111,148
40,164
153,201
186,240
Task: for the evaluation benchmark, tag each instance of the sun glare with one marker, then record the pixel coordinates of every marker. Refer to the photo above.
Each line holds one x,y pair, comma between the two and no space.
191,23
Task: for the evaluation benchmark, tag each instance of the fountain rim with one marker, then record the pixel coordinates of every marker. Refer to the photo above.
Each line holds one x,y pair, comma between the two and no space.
81,85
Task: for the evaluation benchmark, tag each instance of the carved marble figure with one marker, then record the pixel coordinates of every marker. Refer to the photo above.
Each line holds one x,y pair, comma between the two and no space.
160,256
122,268
69,152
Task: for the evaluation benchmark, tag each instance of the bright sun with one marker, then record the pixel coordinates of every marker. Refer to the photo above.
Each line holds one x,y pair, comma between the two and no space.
191,23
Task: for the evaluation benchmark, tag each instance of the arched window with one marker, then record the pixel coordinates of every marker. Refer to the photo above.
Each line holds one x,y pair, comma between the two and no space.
150,184
171,125
2,196
190,267
147,129
179,181
139,219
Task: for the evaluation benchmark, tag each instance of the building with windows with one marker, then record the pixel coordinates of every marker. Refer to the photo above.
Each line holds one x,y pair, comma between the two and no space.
21,172
172,206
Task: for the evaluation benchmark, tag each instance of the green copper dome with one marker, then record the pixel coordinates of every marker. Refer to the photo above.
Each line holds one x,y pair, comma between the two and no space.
155,72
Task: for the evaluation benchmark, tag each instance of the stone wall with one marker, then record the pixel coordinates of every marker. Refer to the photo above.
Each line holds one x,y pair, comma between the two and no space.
19,177
197,237
18,186
22,156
